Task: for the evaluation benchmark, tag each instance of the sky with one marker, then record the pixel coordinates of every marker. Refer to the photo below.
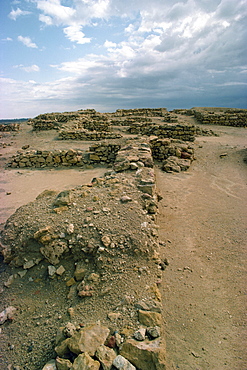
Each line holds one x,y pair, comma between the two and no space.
65,55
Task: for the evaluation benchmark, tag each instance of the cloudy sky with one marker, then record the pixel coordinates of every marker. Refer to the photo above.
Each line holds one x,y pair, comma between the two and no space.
63,55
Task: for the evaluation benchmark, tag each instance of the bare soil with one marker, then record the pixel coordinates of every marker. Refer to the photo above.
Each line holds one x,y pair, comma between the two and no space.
202,220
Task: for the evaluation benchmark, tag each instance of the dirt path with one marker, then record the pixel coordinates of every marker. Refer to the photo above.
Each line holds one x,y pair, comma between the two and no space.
203,218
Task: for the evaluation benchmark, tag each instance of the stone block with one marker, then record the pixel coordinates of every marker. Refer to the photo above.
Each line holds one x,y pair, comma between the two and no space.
146,355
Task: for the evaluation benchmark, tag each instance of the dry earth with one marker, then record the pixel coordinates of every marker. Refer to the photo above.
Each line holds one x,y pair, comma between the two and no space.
203,216
202,220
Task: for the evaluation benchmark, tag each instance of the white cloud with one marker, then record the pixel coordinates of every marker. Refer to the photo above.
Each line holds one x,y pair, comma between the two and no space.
74,34
32,68
109,44
57,13
27,41
14,14
158,53
7,39
46,19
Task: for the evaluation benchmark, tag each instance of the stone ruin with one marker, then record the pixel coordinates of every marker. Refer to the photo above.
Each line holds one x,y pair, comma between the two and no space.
217,116
116,236
10,127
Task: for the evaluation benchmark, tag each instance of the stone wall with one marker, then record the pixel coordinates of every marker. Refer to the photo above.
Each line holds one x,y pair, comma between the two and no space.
87,135
175,155
181,132
9,127
130,121
88,119
43,125
98,153
149,112
233,117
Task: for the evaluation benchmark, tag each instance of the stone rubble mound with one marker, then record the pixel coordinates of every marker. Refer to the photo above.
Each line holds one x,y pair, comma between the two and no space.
107,230
9,127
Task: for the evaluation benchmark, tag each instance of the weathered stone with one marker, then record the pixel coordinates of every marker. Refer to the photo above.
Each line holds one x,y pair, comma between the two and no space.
70,229
149,305
51,270
7,314
106,240
51,365
69,330
125,199
9,281
146,355
60,270
88,339
53,251
140,334
63,198
93,277
150,318
113,316
62,348
122,364
106,356
85,362
80,272
29,264
70,282
153,332
63,364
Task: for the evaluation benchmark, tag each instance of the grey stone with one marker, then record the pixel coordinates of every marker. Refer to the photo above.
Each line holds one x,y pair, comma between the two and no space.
140,334
51,365
122,364
153,332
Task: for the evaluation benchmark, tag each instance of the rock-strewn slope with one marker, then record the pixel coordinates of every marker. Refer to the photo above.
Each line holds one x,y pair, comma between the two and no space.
97,246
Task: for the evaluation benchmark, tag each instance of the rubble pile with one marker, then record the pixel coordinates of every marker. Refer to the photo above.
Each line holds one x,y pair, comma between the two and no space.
175,155
9,127
102,239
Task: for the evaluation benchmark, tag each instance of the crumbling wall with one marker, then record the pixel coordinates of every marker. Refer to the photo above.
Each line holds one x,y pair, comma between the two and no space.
149,112
181,132
231,117
98,153
87,135
9,127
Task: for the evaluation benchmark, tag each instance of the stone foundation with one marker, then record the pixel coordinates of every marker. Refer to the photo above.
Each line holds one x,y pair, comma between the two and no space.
180,132
99,153
87,135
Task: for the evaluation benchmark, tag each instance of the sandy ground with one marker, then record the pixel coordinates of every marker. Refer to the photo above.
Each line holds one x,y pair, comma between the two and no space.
202,218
